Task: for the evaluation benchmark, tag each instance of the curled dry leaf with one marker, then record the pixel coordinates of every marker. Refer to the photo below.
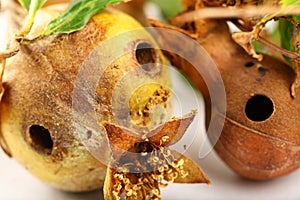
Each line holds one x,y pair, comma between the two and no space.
245,40
141,162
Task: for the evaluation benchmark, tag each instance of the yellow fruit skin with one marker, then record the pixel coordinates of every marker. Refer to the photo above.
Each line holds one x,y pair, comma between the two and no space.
39,82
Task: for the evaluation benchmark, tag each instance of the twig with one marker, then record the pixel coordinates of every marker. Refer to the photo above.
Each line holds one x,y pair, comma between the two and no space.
235,12
293,55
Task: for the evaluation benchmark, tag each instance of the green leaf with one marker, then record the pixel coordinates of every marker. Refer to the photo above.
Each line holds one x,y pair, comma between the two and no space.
259,48
295,3
32,6
290,2
286,32
76,16
296,18
25,3
169,8
35,5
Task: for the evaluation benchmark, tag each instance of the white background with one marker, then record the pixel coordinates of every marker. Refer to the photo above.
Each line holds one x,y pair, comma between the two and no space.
17,184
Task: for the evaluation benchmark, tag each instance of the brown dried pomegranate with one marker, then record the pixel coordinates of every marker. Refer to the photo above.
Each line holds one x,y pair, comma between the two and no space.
260,139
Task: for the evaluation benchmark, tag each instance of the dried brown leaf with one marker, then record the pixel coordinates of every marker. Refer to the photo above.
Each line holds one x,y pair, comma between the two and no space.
245,40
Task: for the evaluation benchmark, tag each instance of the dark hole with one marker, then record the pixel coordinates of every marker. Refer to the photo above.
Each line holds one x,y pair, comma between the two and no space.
249,64
40,139
259,108
141,147
146,55
139,153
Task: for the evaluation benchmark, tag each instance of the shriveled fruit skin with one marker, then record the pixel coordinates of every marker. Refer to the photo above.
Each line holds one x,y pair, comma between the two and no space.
37,120
260,139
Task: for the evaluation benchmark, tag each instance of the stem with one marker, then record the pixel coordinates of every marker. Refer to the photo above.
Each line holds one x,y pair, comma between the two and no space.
234,12
294,56
35,5
30,20
25,41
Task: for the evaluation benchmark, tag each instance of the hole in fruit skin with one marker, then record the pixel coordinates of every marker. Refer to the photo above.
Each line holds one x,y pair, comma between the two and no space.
40,139
145,53
249,64
259,108
147,56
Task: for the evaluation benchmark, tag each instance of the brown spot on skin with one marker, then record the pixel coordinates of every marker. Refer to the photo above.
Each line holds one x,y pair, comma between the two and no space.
89,134
263,70
91,169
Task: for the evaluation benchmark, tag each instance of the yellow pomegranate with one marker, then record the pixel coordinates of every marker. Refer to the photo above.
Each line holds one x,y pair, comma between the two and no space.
43,123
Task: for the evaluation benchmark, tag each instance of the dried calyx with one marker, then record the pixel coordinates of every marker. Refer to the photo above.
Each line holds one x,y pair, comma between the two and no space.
141,162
